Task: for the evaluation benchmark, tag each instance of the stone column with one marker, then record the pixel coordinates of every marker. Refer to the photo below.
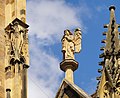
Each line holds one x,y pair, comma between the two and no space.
17,90
24,81
69,66
8,93
8,79
69,75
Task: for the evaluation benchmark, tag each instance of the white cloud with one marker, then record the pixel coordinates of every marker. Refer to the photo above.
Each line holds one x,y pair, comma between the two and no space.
49,18
101,8
44,72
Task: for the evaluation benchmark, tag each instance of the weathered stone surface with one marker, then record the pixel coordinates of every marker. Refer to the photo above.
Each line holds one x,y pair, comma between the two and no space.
2,23
70,90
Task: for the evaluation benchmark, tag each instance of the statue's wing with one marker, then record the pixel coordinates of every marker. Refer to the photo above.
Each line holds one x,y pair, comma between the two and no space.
77,41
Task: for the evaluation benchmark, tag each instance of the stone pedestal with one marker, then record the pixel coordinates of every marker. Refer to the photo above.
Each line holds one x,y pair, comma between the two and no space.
69,66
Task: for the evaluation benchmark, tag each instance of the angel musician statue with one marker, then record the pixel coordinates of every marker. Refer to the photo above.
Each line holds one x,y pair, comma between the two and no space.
71,43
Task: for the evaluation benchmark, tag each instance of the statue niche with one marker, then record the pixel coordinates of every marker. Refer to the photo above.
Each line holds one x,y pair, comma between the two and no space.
16,39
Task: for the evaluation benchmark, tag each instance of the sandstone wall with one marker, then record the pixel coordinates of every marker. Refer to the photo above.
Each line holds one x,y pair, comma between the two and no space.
2,45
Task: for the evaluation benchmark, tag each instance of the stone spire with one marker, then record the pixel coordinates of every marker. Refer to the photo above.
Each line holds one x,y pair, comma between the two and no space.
112,47
110,78
70,44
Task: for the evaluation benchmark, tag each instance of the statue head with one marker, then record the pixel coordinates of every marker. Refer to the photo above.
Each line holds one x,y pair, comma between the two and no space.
67,32
78,29
78,32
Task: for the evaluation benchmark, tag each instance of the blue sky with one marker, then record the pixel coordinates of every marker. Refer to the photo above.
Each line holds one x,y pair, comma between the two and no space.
48,19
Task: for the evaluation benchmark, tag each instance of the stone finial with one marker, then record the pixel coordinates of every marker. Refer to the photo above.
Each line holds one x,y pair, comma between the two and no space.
112,7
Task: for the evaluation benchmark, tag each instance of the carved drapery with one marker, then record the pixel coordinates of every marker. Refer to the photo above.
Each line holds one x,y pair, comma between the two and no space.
71,43
16,40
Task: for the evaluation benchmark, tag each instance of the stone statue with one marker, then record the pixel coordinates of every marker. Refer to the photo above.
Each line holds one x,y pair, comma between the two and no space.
71,43
17,40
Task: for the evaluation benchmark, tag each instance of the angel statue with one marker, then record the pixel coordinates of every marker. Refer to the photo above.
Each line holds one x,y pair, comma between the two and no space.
71,43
